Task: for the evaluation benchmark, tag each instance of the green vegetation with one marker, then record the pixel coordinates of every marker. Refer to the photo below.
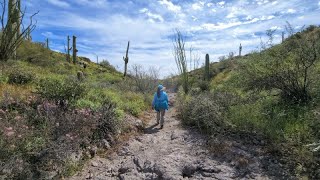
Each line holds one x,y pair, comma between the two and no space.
272,94
52,110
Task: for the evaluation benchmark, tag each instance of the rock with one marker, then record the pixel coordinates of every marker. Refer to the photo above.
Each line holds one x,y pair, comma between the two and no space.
110,139
138,124
94,164
89,176
123,170
76,156
189,170
173,136
106,144
147,167
136,161
210,169
93,151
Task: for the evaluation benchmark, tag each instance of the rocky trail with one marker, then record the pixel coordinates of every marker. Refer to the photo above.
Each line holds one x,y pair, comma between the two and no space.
178,153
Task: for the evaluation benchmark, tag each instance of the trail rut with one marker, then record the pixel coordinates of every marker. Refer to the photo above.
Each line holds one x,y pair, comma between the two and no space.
172,153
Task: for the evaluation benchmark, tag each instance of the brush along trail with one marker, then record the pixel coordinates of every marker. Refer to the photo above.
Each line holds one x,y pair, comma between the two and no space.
178,153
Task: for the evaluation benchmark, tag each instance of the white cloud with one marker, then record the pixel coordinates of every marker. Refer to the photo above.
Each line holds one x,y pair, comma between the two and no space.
170,6
221,3
59,3
197,6
211,4
152,16
144,10
261,2
94,3
267,17
274,2
291,11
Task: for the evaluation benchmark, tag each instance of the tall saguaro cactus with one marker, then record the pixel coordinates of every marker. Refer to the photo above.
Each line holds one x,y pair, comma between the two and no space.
240,49
126,60
14,21
68,50
74,48
47,43
282,36
14,17
207,68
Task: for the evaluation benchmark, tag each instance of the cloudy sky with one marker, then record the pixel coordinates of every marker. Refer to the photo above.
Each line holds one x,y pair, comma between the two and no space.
217,27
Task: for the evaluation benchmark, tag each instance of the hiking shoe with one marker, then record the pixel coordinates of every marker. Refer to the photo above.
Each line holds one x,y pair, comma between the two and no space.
161,126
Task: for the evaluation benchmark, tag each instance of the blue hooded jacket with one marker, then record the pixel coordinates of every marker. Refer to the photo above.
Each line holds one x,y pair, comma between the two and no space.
162,101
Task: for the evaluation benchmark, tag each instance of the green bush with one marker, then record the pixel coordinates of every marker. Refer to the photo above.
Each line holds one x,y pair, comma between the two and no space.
204,85
108,122
3,78
201,111
289,68
273,120
20,77
35,53
61,91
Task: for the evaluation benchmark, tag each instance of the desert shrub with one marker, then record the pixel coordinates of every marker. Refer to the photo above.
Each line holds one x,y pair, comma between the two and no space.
204,85
144,81
20,77
93,99
289,68
61,91
130,102
106,64
276,121
134,103
201,111
108,122
3,78
35,53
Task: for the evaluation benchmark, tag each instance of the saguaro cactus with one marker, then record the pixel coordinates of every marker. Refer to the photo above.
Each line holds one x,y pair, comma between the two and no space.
207,68
68,50
75,50
14,17
14,20
240,49
282,36
126,60
47,43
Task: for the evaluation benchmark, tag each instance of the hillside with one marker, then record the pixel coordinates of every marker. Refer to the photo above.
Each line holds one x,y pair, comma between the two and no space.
269,96
55,115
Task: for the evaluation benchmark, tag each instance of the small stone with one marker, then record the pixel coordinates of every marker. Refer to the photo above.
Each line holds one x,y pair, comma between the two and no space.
106,144
89,176
94,164
211,169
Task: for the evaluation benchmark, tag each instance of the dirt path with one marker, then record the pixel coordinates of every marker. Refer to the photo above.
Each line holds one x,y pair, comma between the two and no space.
169,153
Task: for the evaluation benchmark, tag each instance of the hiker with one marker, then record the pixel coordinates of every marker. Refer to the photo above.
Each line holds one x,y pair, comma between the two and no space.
160,104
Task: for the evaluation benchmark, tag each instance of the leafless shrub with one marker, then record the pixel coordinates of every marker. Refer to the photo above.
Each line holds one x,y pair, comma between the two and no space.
145,81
